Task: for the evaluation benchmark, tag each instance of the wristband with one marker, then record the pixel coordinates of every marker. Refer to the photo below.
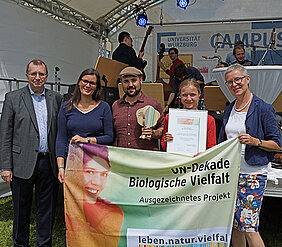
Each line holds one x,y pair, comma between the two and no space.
61,167
88,140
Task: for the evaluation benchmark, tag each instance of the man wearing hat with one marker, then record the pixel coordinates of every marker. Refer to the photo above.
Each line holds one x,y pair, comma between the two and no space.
127,129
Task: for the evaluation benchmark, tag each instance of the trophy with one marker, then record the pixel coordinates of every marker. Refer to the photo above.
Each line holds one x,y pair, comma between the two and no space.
147,116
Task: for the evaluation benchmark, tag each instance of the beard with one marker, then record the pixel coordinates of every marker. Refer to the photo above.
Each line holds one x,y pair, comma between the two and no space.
132,94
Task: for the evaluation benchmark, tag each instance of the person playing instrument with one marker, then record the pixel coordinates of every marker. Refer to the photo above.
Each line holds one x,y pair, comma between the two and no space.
125,53
190,93
173,55
231,58
181,72
251,120
126,126
239,54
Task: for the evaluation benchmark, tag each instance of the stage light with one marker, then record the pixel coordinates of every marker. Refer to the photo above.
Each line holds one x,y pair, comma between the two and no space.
141,19
182,3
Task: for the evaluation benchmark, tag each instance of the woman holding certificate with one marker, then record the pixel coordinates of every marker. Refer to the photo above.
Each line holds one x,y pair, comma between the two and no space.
190,93
253,121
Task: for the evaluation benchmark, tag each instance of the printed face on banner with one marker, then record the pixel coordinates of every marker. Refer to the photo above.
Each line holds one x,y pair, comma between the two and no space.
95,173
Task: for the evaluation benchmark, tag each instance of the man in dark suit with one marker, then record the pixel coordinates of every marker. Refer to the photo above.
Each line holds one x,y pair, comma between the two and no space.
28,133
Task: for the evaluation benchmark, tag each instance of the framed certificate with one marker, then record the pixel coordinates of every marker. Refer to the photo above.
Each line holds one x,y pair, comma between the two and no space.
189,131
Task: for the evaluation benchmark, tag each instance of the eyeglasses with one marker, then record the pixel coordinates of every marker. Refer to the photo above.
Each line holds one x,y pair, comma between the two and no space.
34,74
236,80
91,83
171,53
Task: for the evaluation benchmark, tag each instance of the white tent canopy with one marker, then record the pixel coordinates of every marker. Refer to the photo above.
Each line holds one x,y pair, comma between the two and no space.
108,11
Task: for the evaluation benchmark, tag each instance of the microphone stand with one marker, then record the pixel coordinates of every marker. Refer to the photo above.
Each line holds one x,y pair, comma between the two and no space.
179,100
261,61
269,46
254,54
57,79
104,79
252,46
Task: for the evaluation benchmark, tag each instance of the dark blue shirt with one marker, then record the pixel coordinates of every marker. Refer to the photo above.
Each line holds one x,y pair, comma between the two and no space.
95,123
191,72
126,54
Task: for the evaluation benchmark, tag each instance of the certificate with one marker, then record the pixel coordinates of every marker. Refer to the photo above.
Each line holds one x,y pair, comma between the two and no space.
189,131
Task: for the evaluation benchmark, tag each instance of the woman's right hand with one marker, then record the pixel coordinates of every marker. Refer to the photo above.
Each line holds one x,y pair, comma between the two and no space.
75,139
61,169
61,175
168,137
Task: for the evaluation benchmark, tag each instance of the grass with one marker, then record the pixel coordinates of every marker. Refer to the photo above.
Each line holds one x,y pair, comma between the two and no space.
6,223
270,221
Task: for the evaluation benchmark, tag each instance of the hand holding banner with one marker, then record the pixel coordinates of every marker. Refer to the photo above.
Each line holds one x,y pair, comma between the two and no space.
160,199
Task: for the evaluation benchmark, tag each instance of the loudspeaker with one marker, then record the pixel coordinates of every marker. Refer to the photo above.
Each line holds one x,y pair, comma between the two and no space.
110,94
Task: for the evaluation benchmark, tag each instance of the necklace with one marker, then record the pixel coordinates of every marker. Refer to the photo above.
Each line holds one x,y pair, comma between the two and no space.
236,109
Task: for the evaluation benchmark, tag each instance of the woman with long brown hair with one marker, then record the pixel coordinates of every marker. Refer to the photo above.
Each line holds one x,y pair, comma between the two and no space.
84,118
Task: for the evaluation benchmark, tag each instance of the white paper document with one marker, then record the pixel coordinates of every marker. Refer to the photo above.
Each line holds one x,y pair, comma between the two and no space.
189,131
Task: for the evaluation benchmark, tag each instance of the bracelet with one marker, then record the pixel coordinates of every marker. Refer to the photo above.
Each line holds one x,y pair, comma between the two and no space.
88,140
61,167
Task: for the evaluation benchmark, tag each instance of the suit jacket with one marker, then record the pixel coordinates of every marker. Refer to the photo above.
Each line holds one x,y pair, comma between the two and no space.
19,132
260,123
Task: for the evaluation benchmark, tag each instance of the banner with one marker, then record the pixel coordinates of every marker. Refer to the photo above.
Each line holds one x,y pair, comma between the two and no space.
124,197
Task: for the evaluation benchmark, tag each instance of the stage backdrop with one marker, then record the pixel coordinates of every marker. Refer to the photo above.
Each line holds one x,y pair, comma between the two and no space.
199,40
125,197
